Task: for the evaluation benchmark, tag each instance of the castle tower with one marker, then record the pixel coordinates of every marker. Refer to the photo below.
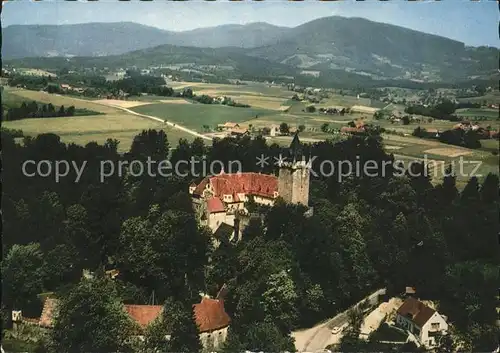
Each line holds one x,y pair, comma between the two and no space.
293,179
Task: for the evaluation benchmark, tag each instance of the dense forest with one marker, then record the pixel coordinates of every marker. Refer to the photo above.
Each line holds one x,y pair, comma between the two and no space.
288,271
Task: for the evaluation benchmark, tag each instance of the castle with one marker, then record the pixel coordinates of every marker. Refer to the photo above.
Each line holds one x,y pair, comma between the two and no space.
219,200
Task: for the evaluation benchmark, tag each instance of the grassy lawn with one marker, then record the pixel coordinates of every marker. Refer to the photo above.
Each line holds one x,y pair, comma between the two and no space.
440,125
194,116
490,98
344,101
257,89
112,123
264,102
12,100
490,145
97,128
477,112
125,137
57,100
386,333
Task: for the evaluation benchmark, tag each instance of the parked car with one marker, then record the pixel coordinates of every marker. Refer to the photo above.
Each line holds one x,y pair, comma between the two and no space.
336,330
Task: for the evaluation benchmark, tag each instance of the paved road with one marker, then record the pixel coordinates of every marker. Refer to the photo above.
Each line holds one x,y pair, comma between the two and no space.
320,336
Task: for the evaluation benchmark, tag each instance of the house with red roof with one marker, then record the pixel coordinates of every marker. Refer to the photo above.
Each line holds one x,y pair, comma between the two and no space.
423,323
210,317
219,200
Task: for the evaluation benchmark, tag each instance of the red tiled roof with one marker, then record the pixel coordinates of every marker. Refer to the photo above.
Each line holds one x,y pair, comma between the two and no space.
214,204
416,311
143,314
210,315
352,129
48,312
30,320
241,183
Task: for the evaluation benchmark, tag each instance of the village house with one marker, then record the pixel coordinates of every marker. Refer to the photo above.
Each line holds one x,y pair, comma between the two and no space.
239,131
358,128
66,87
227,126
219,200
431,133
421,322
209,314
233,129
274,130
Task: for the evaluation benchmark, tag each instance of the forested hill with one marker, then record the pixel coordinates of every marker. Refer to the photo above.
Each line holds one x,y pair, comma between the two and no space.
99,39
376,50
369,230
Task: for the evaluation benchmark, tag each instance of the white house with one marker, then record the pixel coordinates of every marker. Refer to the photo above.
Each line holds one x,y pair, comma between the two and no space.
426,324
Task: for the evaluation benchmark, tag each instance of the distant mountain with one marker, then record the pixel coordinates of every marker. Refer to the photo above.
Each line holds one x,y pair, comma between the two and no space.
225,62
241,36
88,39
377,49
332,44
100,39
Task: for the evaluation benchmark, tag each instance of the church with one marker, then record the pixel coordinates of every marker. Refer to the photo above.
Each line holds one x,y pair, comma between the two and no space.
219,200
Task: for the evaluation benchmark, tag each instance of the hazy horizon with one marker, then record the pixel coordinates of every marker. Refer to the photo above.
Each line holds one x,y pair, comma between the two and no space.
476,22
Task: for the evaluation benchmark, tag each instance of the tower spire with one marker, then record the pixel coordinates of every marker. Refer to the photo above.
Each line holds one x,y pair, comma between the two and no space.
295,149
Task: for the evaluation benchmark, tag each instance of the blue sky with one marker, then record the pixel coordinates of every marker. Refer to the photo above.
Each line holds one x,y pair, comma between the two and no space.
472,22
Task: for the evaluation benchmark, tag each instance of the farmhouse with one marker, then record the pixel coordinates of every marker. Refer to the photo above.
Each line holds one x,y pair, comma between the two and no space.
66,87
421,322
220,200
352,130
431,133
274,131
239,131
228,126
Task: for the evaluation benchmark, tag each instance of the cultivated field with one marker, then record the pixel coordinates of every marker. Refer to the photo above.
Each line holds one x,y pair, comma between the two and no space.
253,89
478,112
55,99
119,103
36,72
194,116
448,152
267,109
114,123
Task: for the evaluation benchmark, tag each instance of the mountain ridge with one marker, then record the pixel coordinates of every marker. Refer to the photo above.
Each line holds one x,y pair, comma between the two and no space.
378,50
